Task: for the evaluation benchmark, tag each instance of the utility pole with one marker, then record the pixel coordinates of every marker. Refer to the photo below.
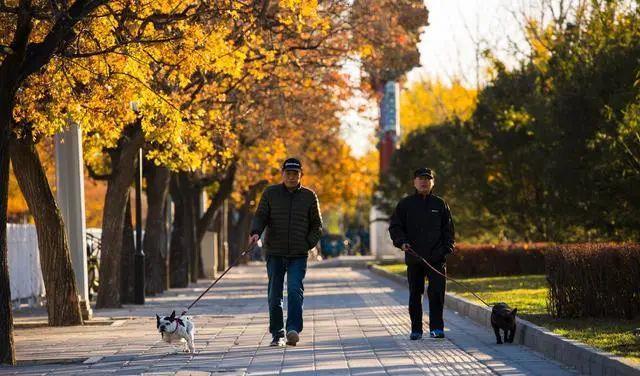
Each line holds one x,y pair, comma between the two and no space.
139,256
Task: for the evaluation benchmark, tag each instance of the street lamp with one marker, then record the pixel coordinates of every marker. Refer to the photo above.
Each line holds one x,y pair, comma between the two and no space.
139,280
139,256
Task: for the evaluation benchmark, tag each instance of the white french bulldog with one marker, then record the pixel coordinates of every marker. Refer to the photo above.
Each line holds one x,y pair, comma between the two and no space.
179,329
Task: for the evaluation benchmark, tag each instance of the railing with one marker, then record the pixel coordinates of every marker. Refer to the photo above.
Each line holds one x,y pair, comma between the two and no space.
94,246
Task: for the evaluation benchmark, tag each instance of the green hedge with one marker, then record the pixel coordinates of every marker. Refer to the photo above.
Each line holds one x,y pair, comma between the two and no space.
594,280
488,260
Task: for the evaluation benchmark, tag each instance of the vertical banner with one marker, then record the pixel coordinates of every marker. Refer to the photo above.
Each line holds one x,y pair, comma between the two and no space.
390,108
389,123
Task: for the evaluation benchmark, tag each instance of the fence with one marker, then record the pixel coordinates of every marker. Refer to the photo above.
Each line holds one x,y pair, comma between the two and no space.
25,276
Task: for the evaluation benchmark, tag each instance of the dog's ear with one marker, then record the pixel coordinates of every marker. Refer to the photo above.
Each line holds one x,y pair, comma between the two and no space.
514,311
157,321
173,316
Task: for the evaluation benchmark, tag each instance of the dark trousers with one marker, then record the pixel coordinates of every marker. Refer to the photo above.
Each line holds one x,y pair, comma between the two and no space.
295,268
416,274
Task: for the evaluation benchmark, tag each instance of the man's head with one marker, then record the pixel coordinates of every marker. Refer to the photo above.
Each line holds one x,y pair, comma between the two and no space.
291,172
423,180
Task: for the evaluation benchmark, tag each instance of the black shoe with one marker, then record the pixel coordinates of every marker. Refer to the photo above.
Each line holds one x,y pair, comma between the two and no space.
292,338
415,336
277,341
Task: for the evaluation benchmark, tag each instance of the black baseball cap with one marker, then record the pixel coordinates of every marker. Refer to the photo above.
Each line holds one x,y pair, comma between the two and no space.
292,164
423,171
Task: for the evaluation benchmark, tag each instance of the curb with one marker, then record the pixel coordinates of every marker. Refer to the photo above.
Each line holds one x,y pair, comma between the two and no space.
49,361
583,358
31,324
354,262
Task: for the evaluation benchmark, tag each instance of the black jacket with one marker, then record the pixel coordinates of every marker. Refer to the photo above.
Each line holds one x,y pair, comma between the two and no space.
426,224
292,220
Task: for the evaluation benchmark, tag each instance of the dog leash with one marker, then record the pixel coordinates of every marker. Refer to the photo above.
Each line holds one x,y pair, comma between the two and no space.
251,247
413,253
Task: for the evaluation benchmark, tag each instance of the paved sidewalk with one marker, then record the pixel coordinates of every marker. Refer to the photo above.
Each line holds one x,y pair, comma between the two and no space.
356,323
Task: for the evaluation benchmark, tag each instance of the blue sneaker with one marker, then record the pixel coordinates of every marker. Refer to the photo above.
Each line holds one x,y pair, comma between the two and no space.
415,336
437,333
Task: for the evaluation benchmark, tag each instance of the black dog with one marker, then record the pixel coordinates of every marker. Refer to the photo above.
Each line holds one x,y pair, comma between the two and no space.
502,317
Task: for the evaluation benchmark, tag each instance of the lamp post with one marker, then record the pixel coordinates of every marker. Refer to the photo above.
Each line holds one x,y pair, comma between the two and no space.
139,256
139,279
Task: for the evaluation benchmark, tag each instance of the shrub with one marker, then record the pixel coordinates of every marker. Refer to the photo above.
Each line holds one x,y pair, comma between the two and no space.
594,280
497,260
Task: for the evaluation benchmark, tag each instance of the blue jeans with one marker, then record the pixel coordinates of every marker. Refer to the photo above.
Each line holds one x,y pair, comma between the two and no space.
295,268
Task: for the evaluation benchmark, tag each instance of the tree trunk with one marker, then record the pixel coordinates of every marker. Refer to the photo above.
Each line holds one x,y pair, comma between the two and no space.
63,305
201,274
235,232
187,190
226,187
9,83
168,222
122,172
155,236
127,257
198,266
221,254
180,244
14,69
7,349
239,234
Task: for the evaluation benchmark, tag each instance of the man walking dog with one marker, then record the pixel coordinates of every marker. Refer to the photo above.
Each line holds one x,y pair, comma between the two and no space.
291,215
422,222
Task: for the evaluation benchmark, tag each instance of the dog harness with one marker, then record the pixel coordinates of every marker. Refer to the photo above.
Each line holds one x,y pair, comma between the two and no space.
180,322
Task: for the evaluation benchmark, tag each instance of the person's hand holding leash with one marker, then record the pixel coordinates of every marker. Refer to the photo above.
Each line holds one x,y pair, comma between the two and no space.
253,239
406,247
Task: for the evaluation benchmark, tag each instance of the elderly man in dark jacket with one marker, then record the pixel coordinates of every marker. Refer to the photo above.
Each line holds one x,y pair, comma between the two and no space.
422,222
291,215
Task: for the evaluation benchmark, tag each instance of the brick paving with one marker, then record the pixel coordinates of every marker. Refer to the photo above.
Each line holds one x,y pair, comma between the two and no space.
356,323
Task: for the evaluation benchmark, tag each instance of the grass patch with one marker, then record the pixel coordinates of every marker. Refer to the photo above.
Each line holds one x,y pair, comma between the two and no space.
529,294
400,269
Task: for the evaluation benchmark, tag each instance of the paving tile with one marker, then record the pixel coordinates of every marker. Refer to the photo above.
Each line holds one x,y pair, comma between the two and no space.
356,323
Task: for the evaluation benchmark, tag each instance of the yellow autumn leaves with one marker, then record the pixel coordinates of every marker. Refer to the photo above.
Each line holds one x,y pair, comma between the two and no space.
424,103
208,83
170,63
